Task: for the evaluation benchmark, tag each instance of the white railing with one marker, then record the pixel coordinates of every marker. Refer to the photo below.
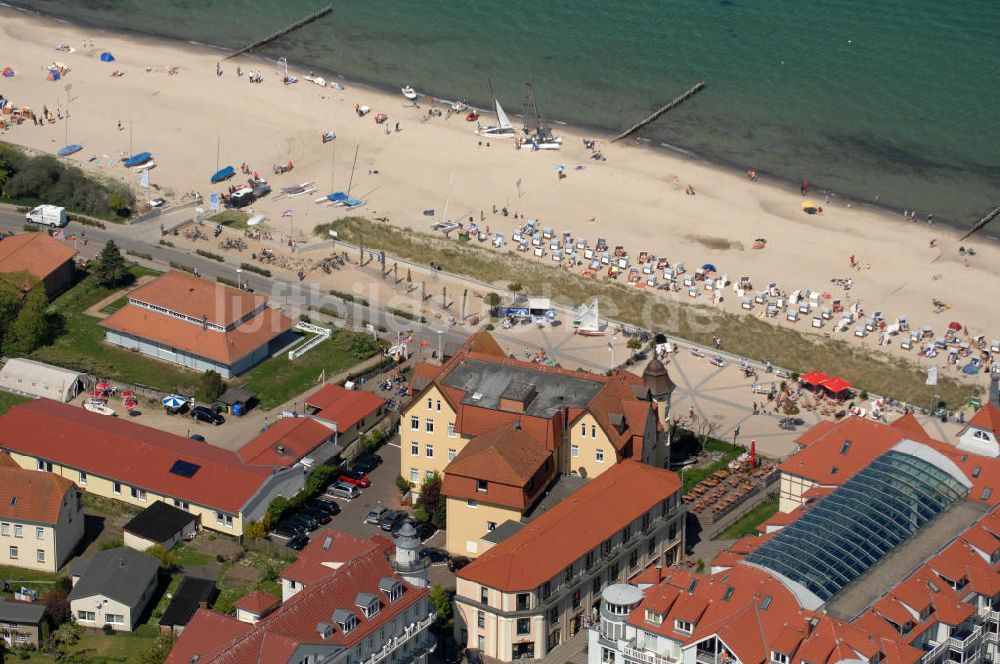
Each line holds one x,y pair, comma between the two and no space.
398,641
644,656
322,334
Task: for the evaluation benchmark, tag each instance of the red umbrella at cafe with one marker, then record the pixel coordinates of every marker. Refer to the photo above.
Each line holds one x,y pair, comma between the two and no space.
127,395
753,453
103,385
955,326
130,404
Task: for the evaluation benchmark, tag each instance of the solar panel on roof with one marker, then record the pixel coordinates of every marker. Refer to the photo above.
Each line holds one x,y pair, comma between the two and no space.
184,468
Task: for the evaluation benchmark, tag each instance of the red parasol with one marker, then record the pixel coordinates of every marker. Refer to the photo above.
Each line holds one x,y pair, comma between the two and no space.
814,378
97,394
753,453
130,404
103,385
955,325
127,394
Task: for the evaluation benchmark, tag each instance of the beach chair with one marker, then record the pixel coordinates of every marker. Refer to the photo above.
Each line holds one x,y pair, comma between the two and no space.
804,308
588,253
792,316
817,322
693,292
826,313
860,332
906,344
747,304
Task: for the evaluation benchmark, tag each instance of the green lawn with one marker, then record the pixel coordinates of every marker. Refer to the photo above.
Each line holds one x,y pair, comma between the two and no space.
81,345
747,524
115,306
7,400
279,379
185,556
693,476
231,218
40,582
96,648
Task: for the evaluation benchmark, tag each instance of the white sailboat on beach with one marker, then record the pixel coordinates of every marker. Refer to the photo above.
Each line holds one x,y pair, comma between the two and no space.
587,322
540,134
503,129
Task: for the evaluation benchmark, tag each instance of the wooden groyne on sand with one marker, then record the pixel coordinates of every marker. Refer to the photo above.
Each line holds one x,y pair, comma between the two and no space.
981,223
284,31
698,87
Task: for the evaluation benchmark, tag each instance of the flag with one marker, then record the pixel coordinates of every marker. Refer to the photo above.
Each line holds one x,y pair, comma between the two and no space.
144,179
213,201
286,213
932,375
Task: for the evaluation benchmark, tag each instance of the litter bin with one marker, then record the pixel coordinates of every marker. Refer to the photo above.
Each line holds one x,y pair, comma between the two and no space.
237,409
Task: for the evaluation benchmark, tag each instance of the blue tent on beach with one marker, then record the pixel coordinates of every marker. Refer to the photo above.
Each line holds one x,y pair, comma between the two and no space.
107,57
223,174
138,159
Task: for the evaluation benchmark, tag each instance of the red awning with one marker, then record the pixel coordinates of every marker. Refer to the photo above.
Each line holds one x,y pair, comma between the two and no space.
814,378
836,384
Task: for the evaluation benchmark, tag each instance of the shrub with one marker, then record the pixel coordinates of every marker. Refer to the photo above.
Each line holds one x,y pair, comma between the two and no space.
409,315
209,254
402,484
250,267
256,530
166,243
349,297
227,282
108,629
211,385
164,555
139,254
182,267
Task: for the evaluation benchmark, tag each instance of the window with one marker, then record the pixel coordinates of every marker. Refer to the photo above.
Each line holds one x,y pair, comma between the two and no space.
414,449
626,533
590,559
451,453
451,429
86,616
428,474
5,529
779,657
523,626
414,423
568,574
633,559
683,626
138,494
414,475
481,486
39,533
429,451
437,405
117,488
981,435
18,530
40,555
45,466
480,619
546,590
651,547
114,618
224,519
83,478
593,431
13,553
429,425
654,617
583,429
599,455
576,598
491,525
430,403
523,601
182,504
574,451
472,503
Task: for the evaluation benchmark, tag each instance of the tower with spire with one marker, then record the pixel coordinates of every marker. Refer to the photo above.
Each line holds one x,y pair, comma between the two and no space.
660,388
408,561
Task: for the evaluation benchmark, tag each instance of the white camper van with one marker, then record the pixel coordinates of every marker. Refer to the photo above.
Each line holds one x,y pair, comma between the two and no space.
48,215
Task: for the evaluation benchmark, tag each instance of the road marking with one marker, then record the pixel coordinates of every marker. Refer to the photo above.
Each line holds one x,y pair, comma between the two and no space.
393,445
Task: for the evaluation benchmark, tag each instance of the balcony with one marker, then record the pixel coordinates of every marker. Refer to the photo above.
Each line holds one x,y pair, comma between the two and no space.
967,641
644,656
708,658
397,642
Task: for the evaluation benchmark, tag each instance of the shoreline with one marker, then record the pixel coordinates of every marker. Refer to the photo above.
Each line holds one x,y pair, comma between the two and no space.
603,134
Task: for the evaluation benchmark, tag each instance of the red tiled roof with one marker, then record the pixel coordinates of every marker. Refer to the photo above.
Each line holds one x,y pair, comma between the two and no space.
199,298
281,633
27,495
320,557
256,602
7,461
815,432
298,436
131,453
38,254
577,524
506,455
909,425
225,347
205,629
343,406
987,417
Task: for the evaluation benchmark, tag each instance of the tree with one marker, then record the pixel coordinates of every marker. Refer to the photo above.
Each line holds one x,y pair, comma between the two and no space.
111,270
492,300
31,328
440,601
157,653
257,529
10,302
633,344
432,502
211,385
515,287
163,554
789,407
56,605
402,484
277,509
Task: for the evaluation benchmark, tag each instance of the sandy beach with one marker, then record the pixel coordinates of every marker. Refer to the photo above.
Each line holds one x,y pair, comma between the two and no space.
195,121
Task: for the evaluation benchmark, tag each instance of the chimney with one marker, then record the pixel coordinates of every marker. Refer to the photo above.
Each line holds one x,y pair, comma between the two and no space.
517,425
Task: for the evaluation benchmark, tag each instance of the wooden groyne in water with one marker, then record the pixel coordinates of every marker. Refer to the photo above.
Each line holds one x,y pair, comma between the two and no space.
698,87
981,223
284,31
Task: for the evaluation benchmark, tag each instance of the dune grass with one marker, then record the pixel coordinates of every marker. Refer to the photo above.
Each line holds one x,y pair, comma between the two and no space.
874,371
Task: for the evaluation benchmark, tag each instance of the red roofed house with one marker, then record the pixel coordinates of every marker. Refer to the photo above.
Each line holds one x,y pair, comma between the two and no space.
499,430
361,604
350,412
41,518
125,461
537,588
198,324
44,258
982,434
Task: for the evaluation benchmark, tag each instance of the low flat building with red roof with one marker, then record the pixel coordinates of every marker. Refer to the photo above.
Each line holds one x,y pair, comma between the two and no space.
198,324
286,442
356,607
349,412
537,588
125,461
41,518
31,258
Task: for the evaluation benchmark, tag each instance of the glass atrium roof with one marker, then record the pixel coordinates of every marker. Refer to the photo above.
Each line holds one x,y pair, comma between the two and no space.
854,527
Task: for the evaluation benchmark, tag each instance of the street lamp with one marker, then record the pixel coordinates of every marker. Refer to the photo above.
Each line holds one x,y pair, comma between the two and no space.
611,348
239,278
440,352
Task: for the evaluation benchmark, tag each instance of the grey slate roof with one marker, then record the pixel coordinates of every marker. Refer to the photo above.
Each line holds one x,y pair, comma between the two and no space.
121,574
24,613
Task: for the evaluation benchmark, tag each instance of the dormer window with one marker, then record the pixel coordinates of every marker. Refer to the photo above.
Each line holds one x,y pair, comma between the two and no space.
481,486
981,435
368,603
325,630
346,619
683,626
779,657
654,617
392,589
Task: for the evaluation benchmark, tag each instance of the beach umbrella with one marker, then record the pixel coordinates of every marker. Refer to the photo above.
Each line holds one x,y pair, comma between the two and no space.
127,395
107,57
173,402
970,369
103,385
709,267
955,325
130,404
8,72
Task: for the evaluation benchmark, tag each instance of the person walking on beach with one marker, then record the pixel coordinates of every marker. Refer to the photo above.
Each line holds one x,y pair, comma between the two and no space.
805,187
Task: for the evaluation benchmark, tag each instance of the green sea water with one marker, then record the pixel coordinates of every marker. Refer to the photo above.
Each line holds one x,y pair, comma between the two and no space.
898,99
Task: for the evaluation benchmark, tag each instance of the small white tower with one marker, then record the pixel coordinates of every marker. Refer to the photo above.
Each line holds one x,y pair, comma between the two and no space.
408,562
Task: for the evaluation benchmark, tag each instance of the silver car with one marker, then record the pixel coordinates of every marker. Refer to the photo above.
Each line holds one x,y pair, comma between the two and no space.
376,513
345,491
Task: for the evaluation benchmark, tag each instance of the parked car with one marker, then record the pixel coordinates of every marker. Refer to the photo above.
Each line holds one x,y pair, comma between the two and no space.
298,542
790,422
197,436
366,463
390,520
285,530
303,520
437,556
425,530
457,562
332,508
321,515
206,414
354,477
345,491
376,513
473,656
